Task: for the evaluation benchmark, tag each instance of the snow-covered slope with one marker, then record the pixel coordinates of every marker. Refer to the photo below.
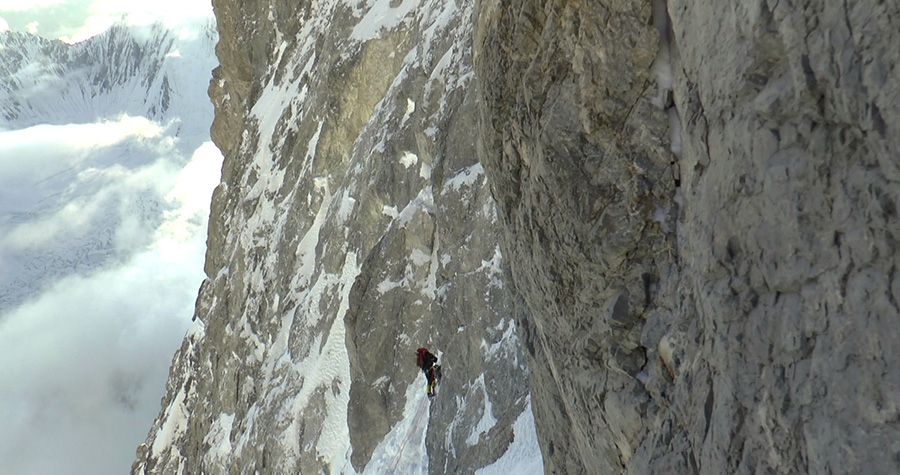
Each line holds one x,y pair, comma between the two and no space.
149,71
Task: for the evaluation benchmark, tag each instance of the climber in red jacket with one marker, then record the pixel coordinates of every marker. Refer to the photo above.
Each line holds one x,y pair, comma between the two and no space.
426,361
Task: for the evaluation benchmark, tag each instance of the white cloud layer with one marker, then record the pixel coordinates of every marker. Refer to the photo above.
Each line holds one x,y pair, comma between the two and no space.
76,20
25,5
61,183
83,362
172,13
84,365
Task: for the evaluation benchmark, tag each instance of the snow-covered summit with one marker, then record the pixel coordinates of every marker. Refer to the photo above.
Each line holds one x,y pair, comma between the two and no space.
146,71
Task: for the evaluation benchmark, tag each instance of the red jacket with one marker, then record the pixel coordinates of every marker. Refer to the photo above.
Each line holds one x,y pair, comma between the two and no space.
425,359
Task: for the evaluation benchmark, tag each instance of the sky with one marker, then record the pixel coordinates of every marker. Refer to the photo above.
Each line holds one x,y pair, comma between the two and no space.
76,20
116,210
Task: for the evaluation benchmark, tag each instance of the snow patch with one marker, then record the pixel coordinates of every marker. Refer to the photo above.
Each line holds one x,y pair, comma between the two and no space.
176,421
410,108
424,201
381,16
675,132
523,456
487,418
306,249
390,211
662,65
507,343
345,209
409,159
425,170
219,437
313,144
329,368
493,268
419,257
387,285
466,177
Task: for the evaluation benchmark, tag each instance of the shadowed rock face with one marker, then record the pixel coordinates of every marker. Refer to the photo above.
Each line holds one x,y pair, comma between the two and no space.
686,212
737,309
579,163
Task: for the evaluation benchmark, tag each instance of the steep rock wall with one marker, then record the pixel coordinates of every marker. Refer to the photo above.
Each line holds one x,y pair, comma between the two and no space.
704,234
791,184
353,225
579,164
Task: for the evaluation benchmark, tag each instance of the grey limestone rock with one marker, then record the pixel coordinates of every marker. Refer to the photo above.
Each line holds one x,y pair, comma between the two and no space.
741,317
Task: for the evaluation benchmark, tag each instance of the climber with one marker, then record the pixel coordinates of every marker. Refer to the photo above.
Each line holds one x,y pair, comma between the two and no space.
426,361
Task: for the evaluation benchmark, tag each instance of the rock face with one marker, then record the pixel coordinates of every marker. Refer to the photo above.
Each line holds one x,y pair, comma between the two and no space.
693,245
741,316
353,225
579,163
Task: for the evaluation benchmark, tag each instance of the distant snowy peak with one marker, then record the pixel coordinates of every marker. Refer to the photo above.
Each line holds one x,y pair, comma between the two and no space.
135,70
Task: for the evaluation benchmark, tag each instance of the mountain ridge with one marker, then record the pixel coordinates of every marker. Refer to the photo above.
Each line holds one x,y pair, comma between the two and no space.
132,70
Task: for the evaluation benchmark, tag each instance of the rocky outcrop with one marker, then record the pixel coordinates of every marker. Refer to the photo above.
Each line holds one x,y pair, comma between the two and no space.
682,216
712,282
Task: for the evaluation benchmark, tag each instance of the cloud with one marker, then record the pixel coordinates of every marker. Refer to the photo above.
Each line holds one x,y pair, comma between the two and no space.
192,190
85,364
62,181
86,356
49,148
77,197
172,13
141,12
77,20
4,26
19,5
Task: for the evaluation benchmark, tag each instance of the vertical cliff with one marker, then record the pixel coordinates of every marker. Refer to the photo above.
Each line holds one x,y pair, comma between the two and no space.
667,228
790,175
704,233
579,163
